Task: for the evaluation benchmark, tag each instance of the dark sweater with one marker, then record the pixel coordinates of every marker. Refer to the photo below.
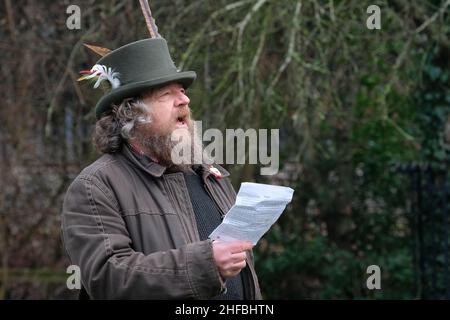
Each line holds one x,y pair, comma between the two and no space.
208,218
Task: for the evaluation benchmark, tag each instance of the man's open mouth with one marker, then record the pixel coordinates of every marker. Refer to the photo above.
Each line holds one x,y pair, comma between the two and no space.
181,121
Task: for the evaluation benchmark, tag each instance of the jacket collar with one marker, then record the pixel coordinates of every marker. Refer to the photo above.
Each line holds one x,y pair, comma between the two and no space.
157,170
143,162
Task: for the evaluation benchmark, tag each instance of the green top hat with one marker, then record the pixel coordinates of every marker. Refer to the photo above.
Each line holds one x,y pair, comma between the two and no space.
136,67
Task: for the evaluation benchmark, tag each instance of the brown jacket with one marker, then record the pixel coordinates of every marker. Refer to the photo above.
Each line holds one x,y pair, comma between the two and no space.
131,229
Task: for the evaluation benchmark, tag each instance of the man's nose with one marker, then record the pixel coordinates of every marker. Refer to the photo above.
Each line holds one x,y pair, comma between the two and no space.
182,99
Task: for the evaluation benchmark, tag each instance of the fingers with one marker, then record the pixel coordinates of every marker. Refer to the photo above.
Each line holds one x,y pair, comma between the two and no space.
239,265
233,269
238,257
233,246
239,246
230,257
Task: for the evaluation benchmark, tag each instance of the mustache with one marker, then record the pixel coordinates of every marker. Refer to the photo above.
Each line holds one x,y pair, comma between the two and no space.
184,114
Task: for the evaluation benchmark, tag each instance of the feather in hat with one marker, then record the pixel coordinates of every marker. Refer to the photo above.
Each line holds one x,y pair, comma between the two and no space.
101,73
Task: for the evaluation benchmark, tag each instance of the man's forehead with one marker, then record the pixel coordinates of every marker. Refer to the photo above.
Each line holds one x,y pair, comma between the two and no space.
151,92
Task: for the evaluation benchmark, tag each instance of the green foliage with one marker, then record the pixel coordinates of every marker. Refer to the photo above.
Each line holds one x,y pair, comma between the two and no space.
353,209
319,269
433,102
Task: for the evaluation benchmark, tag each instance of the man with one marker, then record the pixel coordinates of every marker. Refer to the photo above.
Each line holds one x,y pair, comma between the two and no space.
136,223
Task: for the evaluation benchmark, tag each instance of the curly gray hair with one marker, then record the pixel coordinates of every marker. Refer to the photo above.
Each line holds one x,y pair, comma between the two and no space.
118,127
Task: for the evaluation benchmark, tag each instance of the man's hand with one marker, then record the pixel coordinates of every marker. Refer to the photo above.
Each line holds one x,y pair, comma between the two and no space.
230,256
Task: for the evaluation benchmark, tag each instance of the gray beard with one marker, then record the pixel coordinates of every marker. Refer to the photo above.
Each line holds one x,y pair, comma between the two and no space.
160,147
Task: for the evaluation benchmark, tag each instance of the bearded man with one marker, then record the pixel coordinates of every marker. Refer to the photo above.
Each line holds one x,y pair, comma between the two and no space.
136,223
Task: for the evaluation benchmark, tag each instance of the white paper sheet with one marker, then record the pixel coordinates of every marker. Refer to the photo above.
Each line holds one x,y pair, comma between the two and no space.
258,206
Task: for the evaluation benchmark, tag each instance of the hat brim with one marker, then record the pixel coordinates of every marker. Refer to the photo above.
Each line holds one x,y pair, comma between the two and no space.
117,95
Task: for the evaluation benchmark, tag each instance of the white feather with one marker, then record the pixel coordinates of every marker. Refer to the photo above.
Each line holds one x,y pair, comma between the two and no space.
104,73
